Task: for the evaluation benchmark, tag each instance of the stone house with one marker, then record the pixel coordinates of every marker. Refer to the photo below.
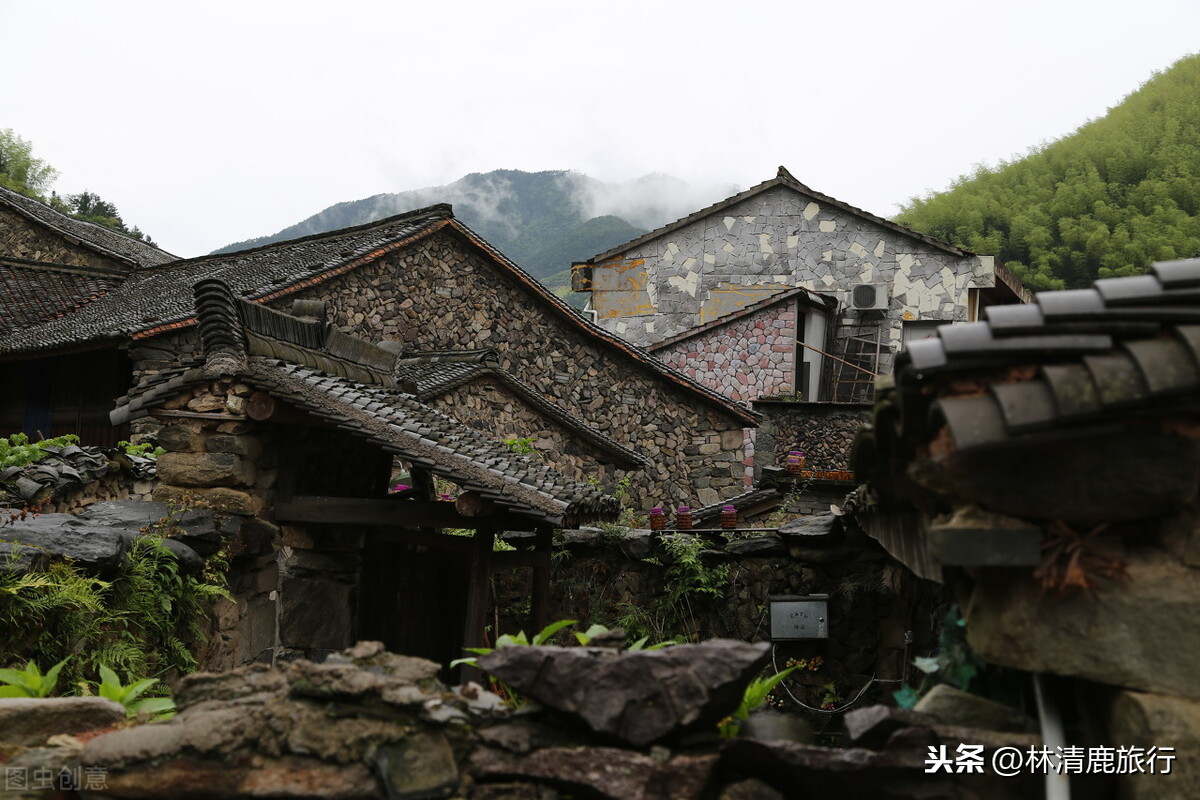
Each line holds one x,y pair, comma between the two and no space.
428,285
731,262
789,301
52,265
285,421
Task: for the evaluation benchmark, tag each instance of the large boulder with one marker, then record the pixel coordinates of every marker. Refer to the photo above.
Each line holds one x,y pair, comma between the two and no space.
637,697
1138,719
94,547
365,723
194,527
951,706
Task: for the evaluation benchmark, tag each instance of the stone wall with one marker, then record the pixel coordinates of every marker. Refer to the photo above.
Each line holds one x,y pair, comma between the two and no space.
443,294
824,431
489,406
225,463
20,238
773,241
749,358
118,485
873,601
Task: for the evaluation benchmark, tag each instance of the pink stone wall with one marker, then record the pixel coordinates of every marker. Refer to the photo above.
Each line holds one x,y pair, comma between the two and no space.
744,360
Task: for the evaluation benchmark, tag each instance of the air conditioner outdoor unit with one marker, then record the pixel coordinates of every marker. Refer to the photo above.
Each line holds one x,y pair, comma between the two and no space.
869,297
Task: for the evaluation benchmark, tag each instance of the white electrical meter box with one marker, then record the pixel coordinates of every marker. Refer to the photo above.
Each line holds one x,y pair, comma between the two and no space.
796,617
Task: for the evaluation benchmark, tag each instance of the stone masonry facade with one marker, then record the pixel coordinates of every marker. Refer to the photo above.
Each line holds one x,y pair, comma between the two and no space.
19,238
443,294
487,405
824,431
772,241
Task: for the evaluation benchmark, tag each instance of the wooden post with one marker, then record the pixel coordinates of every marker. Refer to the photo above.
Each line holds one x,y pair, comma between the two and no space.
539,605
477,595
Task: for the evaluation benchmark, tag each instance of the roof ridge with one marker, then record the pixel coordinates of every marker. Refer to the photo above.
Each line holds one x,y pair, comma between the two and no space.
738,313
437,210
782,178
15,200
51,266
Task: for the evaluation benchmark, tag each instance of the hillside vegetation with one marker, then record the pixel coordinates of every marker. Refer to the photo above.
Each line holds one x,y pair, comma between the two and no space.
1121,192
22,172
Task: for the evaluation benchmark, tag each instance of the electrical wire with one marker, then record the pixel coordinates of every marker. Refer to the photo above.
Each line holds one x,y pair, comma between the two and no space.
802,704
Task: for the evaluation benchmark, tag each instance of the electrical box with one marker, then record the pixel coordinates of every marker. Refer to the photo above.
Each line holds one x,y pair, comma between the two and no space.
869,297
799,617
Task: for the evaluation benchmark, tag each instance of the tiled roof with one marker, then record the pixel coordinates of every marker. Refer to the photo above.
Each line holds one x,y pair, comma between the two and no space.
97,238
32,293
1124,346
394,421
784,178
399,424
160,300
750,500
155,301
430,375
64,469
816,298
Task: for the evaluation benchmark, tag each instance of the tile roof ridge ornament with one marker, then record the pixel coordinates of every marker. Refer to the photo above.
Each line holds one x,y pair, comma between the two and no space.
221,334
310,310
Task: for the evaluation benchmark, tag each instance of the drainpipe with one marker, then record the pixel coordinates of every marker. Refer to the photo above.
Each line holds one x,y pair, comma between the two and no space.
1058,785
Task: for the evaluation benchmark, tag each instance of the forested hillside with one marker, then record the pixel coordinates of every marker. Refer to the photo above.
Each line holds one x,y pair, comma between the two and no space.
1119,193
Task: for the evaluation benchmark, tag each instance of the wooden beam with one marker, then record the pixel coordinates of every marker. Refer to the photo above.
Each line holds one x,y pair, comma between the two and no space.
387,513
539,602
478,582
473,504
260,406
220,417
425,538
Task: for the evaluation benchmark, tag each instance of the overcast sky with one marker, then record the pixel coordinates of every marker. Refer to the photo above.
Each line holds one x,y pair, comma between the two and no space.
208,123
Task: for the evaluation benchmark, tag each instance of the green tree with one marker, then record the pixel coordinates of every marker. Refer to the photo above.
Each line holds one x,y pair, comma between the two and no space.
19,170
1119,193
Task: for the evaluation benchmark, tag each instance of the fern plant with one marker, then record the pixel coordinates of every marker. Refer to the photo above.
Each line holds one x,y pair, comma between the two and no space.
143,621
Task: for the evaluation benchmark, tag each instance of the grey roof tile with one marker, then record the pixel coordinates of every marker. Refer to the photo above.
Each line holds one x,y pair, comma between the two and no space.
1025,405
1077,358
1117,378
1166,365
1070,303
1182,274
973,421
97,238
1074,392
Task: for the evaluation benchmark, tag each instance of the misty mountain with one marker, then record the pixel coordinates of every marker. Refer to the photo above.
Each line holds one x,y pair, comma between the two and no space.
541,220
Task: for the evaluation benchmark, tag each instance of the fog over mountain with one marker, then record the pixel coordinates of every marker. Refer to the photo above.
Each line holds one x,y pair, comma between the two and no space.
541,220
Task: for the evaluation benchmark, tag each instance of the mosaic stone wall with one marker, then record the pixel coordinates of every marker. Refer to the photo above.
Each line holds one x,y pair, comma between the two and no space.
777,240
20,238
749,358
